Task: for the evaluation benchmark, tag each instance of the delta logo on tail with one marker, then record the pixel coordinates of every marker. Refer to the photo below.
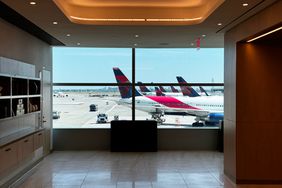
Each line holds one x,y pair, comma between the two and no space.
186,90
159,92
203,90
143,89
162,89
174,90
125,91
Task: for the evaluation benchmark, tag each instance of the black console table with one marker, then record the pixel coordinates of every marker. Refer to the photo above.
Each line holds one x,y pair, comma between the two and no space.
134,136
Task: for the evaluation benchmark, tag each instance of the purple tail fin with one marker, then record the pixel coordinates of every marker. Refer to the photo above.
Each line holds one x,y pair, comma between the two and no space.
203,91
125,91
162,89
159,92
186,90
143,88
174,90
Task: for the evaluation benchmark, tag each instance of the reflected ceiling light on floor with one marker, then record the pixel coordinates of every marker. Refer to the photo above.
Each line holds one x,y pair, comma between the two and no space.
260,36
32,3
219,24
245,4
135,44
136,36
55,23
78,44
192,44
68,35
204,35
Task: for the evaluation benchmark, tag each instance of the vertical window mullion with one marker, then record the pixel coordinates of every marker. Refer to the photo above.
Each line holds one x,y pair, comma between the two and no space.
133,84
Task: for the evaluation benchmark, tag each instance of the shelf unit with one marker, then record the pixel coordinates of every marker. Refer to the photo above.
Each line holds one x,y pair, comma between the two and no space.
19,96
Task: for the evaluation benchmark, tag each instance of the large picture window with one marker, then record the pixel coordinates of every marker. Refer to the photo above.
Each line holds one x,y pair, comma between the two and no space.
93,86
195,66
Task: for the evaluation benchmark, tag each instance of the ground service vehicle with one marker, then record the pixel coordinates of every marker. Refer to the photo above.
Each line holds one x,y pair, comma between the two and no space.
93,107
102,118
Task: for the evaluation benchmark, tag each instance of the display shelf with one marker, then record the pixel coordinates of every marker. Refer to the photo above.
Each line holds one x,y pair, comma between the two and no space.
19,86
34,87
24,77
32,96
5,97
5,108
21,139
19,96
19,106
34,104
5,86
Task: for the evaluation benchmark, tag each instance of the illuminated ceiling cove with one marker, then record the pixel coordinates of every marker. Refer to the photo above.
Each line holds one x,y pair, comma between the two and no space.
137,12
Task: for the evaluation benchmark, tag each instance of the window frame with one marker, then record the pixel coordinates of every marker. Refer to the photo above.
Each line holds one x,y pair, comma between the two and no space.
133,84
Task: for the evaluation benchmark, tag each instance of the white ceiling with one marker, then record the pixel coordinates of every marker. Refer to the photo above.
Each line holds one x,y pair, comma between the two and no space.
230,13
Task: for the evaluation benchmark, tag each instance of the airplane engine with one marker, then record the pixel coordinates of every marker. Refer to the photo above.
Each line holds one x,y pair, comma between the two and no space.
214,118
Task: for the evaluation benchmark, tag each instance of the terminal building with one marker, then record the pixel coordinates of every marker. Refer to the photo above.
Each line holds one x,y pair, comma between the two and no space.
127,149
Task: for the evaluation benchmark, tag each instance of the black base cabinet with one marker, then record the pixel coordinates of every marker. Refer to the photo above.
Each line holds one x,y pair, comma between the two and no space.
134,136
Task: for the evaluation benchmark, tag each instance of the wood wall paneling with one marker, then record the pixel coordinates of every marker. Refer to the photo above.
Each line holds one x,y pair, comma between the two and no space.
259,112
259,83
253,101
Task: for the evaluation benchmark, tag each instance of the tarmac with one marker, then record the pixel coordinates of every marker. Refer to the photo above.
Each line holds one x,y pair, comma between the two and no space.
75,112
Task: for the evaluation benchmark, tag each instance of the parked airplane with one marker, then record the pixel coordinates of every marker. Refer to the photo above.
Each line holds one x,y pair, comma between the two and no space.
143,89
162,92
203,91
166,93
206,109
174,90
162,89
186,89
159,92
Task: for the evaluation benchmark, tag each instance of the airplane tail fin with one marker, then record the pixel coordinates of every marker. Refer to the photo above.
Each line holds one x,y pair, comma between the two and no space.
186,90
203,91
143,88
174,90
162,89
159,92
125,91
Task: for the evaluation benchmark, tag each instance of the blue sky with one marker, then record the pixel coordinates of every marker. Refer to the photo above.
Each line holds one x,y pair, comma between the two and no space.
152,65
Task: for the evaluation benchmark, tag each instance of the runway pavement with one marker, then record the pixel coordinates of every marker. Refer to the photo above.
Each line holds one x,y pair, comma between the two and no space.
75,112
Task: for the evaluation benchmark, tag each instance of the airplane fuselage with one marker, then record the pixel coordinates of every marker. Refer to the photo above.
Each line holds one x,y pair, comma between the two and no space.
197,106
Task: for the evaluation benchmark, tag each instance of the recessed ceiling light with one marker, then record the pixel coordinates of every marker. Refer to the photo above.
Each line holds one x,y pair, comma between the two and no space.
203,35
55,23
265,34
219,24
68,35
32,3
78,44
245,4
136,36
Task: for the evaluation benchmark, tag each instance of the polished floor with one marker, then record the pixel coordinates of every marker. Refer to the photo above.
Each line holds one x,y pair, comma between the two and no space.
101,169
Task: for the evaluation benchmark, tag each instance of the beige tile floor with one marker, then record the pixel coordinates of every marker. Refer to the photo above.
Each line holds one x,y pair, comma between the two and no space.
102,169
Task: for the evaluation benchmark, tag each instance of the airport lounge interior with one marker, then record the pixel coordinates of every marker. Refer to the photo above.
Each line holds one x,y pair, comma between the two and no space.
135,93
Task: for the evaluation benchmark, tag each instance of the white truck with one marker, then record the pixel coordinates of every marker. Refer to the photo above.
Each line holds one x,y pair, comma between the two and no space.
102,118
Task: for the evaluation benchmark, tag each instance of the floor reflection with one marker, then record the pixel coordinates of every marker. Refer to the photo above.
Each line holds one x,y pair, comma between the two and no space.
134,170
